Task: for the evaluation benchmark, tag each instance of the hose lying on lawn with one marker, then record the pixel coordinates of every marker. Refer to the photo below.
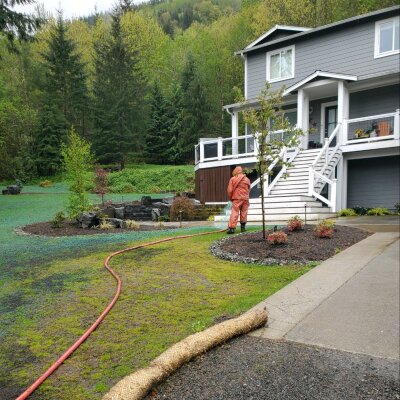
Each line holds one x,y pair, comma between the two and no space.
61,359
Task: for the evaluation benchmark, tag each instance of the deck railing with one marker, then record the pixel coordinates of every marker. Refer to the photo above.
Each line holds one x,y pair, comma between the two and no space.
371,129
223,148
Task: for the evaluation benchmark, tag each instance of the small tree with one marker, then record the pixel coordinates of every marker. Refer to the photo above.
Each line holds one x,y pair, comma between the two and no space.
78,161
264,120
100,180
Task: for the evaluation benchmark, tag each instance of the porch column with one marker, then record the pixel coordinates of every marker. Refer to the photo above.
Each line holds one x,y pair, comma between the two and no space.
341,195
235,132
343,107
303,105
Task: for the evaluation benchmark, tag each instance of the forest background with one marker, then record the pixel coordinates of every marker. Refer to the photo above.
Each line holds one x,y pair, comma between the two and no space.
142,83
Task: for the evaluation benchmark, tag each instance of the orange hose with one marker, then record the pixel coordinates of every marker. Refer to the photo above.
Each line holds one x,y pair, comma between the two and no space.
61,359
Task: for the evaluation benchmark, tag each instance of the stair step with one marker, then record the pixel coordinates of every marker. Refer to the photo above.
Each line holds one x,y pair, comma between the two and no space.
293,210
283,199
295,191
279,217
294,204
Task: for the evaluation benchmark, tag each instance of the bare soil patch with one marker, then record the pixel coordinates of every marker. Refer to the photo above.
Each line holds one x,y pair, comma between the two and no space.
303,246
70,228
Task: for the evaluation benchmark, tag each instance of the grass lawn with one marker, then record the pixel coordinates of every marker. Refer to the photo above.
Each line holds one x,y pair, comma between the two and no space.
52,289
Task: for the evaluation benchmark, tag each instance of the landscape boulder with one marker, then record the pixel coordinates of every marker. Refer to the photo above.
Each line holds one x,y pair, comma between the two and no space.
119,212
109,212
163,207
115,222
12,189
87,220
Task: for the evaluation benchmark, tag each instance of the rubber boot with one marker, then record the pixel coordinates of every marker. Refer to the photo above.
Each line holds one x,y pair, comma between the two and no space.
243,227
230,231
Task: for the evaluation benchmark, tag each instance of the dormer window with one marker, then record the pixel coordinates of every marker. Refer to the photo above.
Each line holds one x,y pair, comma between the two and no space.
387,37
280,64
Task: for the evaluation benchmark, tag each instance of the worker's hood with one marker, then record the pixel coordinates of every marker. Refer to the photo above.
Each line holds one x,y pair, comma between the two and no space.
237,171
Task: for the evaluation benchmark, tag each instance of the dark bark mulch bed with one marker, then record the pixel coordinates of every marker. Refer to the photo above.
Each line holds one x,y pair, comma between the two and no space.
71,229
302,247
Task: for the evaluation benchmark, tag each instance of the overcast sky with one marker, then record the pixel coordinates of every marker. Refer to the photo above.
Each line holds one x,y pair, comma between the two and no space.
71,8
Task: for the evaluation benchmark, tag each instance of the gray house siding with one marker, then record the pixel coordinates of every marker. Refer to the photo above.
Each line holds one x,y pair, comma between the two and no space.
348,51
375,101
373,182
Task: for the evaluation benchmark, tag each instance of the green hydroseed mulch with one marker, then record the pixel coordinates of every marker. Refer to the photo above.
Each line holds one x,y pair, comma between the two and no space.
53,289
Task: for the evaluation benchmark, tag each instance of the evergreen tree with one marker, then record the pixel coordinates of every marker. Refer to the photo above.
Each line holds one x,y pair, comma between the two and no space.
195,110
15,24
175,115
51,133
158,132
64,99
66,78
119,91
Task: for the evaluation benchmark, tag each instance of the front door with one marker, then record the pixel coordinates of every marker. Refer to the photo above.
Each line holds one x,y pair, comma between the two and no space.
330,120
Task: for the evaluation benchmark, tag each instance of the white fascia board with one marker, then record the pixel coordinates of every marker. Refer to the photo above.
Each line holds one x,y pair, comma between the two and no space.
317,74
275,28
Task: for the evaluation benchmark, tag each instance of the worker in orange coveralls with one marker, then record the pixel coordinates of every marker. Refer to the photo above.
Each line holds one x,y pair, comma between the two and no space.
238,192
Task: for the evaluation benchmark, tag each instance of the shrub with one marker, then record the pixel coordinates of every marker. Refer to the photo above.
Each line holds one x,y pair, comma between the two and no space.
347,212
58,220
78,160
295,223
163,218
397,207
182,204
325,228
131,224
105,225
46,183
378,211
360,210
278,237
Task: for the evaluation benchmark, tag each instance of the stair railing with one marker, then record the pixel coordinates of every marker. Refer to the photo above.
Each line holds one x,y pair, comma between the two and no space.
283,170
281,156
318,178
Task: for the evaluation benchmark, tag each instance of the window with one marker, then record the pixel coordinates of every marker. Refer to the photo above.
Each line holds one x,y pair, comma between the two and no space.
280,64
387,37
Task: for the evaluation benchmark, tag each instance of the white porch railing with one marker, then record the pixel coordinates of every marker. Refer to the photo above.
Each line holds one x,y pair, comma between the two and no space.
322,169
371,129
223,148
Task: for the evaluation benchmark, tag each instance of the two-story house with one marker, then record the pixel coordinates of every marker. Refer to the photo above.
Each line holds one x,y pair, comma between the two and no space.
341,88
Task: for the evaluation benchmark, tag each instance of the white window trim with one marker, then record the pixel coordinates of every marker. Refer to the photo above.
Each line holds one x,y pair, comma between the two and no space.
322,127
277,51
377,39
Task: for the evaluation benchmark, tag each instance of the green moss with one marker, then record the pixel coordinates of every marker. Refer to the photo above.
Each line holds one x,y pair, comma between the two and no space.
53,289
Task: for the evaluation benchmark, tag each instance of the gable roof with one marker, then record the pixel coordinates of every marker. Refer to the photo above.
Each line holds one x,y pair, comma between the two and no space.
293,29
375,15
316,75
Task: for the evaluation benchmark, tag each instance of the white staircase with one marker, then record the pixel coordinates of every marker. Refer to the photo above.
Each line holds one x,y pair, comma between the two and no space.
289,196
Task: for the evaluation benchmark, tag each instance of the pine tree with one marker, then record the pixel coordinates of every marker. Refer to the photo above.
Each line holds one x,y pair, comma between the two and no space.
195,110
64,99
158,132
175,115
15,24
66,78
118,91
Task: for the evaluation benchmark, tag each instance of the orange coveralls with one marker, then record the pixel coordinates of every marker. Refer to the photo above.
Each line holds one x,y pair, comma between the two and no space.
238,192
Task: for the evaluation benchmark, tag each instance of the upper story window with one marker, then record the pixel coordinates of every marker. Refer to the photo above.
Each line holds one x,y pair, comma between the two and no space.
280,64
387,37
